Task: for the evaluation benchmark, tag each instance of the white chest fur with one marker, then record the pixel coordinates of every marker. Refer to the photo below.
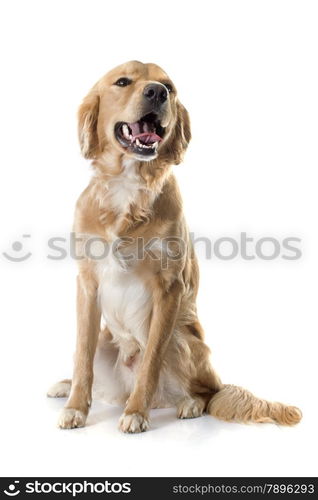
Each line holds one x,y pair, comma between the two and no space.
124,189
125,302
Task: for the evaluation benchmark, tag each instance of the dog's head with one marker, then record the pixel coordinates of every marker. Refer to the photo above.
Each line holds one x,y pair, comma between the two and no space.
135,109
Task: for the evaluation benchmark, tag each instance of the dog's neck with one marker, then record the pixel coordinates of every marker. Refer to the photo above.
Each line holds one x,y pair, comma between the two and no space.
126,187
110,165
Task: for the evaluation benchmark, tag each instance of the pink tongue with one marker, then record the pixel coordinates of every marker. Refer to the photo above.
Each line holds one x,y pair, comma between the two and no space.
148,137
144,132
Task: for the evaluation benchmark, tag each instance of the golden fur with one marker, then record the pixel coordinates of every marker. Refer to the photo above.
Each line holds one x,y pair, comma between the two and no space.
152,341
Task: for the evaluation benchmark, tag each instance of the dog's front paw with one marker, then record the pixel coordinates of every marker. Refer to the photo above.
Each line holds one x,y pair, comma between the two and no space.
135,422
71,418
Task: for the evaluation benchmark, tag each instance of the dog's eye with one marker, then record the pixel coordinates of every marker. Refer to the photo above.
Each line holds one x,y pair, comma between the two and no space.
123,82
168,87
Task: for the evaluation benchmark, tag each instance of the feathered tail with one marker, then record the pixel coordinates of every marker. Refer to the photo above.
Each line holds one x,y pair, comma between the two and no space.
233,403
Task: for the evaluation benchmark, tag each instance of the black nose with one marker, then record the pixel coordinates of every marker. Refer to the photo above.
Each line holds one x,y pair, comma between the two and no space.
156,93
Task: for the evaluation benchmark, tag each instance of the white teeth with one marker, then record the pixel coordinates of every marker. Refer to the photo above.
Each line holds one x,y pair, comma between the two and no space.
126,131
154,145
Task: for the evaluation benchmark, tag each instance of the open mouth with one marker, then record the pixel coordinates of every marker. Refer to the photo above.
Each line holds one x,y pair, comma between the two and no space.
141,137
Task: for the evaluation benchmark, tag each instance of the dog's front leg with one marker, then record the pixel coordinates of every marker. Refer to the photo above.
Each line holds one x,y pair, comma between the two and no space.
164,314
88,325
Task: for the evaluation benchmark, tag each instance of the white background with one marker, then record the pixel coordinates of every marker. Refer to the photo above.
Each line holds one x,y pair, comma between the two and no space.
247,72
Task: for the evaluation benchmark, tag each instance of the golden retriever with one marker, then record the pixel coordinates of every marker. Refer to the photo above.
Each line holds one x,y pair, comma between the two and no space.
136,303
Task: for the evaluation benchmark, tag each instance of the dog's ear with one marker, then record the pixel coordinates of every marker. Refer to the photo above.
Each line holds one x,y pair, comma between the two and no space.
180,137
87,124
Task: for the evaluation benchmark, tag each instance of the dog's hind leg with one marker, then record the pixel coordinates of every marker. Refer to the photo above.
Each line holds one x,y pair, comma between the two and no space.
191,407
61,389
188,359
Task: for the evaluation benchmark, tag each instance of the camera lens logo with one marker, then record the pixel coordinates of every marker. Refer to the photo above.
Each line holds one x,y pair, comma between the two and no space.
19,254
13,491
